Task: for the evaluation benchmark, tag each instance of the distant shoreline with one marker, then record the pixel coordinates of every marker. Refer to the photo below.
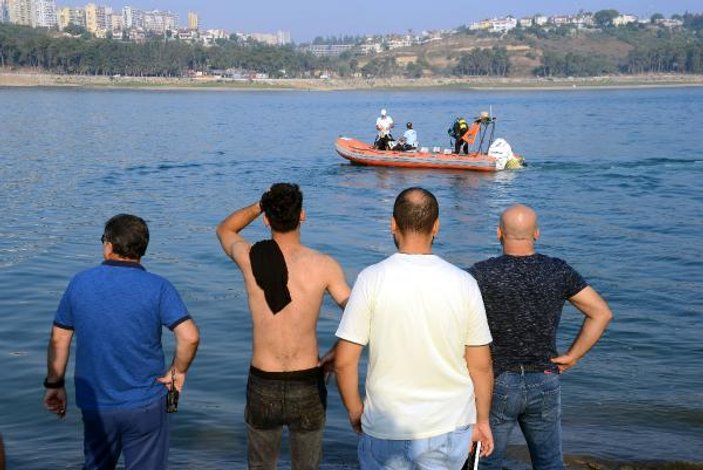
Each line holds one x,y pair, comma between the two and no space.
40,79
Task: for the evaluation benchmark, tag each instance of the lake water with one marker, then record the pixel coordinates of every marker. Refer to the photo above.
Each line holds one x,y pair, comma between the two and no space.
615,176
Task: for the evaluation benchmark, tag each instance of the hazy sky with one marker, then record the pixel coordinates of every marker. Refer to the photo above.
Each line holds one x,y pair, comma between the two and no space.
306,19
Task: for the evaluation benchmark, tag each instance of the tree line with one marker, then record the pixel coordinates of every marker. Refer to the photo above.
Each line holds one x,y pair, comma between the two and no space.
21,46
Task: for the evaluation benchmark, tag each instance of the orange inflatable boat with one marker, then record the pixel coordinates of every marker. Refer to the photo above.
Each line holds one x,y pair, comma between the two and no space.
361,153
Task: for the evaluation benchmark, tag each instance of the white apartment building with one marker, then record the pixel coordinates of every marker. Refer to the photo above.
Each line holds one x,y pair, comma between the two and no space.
526,22
327,49
283,38
279,38
160,21
4,17
560,20
540,20
503,25
132,17
624,19
44,14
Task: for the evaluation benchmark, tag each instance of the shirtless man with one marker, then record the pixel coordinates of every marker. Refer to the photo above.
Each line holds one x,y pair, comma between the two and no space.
286,283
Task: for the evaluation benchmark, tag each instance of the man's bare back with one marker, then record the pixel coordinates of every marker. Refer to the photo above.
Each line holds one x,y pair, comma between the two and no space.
285,341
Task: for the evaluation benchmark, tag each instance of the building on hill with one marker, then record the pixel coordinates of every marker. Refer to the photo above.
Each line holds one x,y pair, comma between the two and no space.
95,18
560,20
495,25
623,20
540,20
70,16
669,23
132,18
503,25
44,14
526,22
397,41
279,38
321,50
193,21
159,22
20,12
483,25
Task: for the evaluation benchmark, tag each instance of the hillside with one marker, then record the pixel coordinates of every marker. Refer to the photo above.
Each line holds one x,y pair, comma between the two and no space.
599,52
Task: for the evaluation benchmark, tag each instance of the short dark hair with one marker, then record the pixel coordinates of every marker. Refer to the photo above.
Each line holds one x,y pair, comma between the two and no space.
283,204
128,234
415,210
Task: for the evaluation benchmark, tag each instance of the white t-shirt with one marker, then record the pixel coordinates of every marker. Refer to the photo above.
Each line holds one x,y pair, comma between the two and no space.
416,313
384,123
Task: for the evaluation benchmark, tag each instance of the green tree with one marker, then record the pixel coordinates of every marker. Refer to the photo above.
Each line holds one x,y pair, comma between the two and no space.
604,18
74,29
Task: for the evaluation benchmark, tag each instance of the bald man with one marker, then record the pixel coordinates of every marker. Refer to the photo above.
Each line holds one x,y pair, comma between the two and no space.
524,293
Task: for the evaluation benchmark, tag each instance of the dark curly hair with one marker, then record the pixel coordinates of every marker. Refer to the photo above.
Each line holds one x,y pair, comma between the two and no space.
415,210
283,204
128,234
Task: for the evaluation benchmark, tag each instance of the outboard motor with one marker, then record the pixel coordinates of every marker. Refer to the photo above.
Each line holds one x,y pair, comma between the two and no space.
500,150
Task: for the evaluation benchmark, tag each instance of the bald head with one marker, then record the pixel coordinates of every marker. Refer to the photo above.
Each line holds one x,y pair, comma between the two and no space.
519,223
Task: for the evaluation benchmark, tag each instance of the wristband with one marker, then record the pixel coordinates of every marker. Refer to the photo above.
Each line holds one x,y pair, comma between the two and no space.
58,384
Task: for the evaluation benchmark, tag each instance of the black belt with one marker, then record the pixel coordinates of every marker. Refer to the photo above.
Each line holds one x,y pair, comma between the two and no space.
308,375
527,368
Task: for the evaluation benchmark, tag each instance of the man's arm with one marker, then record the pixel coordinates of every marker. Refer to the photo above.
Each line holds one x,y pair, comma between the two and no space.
598,315
228,231
339,291
58,352
478,361
337,284
187,340
346,365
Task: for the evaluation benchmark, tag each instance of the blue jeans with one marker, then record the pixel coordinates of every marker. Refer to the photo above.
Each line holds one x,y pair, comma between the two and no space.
142,434
532,400
446,451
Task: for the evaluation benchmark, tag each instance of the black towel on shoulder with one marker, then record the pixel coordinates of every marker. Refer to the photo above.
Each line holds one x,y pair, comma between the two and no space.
271,273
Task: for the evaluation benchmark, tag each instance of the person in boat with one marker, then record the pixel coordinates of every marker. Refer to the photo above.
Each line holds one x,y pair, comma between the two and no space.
456,132
384,124
285,283
425,325
524,293
116,312
409,140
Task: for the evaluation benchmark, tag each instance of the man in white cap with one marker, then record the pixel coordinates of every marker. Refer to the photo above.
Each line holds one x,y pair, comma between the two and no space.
384,124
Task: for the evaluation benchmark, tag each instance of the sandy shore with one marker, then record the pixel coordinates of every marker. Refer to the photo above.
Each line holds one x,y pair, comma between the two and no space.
26,78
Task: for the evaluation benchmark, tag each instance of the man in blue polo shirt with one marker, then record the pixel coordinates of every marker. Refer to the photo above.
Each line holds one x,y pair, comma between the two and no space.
117,311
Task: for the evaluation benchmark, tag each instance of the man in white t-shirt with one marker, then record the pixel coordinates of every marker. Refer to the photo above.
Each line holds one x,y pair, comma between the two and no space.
384,124
429,379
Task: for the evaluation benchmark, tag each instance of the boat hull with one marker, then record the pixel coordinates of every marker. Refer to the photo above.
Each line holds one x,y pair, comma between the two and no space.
361,153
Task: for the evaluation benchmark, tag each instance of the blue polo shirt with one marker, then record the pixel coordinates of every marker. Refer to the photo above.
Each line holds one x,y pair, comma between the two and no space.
117,311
